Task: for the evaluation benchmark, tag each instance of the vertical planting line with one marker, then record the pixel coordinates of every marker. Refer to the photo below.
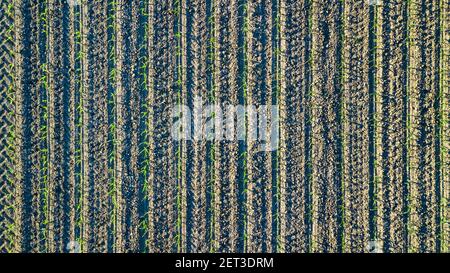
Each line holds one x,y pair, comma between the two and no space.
445,125
355,119
179,51
186,129
80,120
437,128
408,112
150,102
372,120
85,233
423,138
144,148
84,195
45,145
197,79
308,138
76,68
164,213
128,127
377,121
392,130
141,15
245,15
406,63
28,126
47,224
259,190
18,120
244,4
180,237
7,159
275,98
96,125
282,165
211,100
210,144
58,133
294,78
71,123
276,157
11,151
226,139
326,118
112,127
68,134
177,146
242,143
343,77
122,86
132,123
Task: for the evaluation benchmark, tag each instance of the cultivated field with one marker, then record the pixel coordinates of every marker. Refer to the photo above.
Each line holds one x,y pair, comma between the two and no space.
89,161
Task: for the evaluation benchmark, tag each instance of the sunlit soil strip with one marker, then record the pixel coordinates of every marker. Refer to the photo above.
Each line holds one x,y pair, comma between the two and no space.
445,126
294,152
326,127
7,156
391,134
356,125
424,123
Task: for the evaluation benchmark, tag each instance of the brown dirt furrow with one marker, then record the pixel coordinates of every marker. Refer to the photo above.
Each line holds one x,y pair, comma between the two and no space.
163,212
195,51
355,117
72,122
7,187
95,127
424,129
391,135
259,93
60,128
295,126
226,149
30,105
127,125
445,126
326,127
